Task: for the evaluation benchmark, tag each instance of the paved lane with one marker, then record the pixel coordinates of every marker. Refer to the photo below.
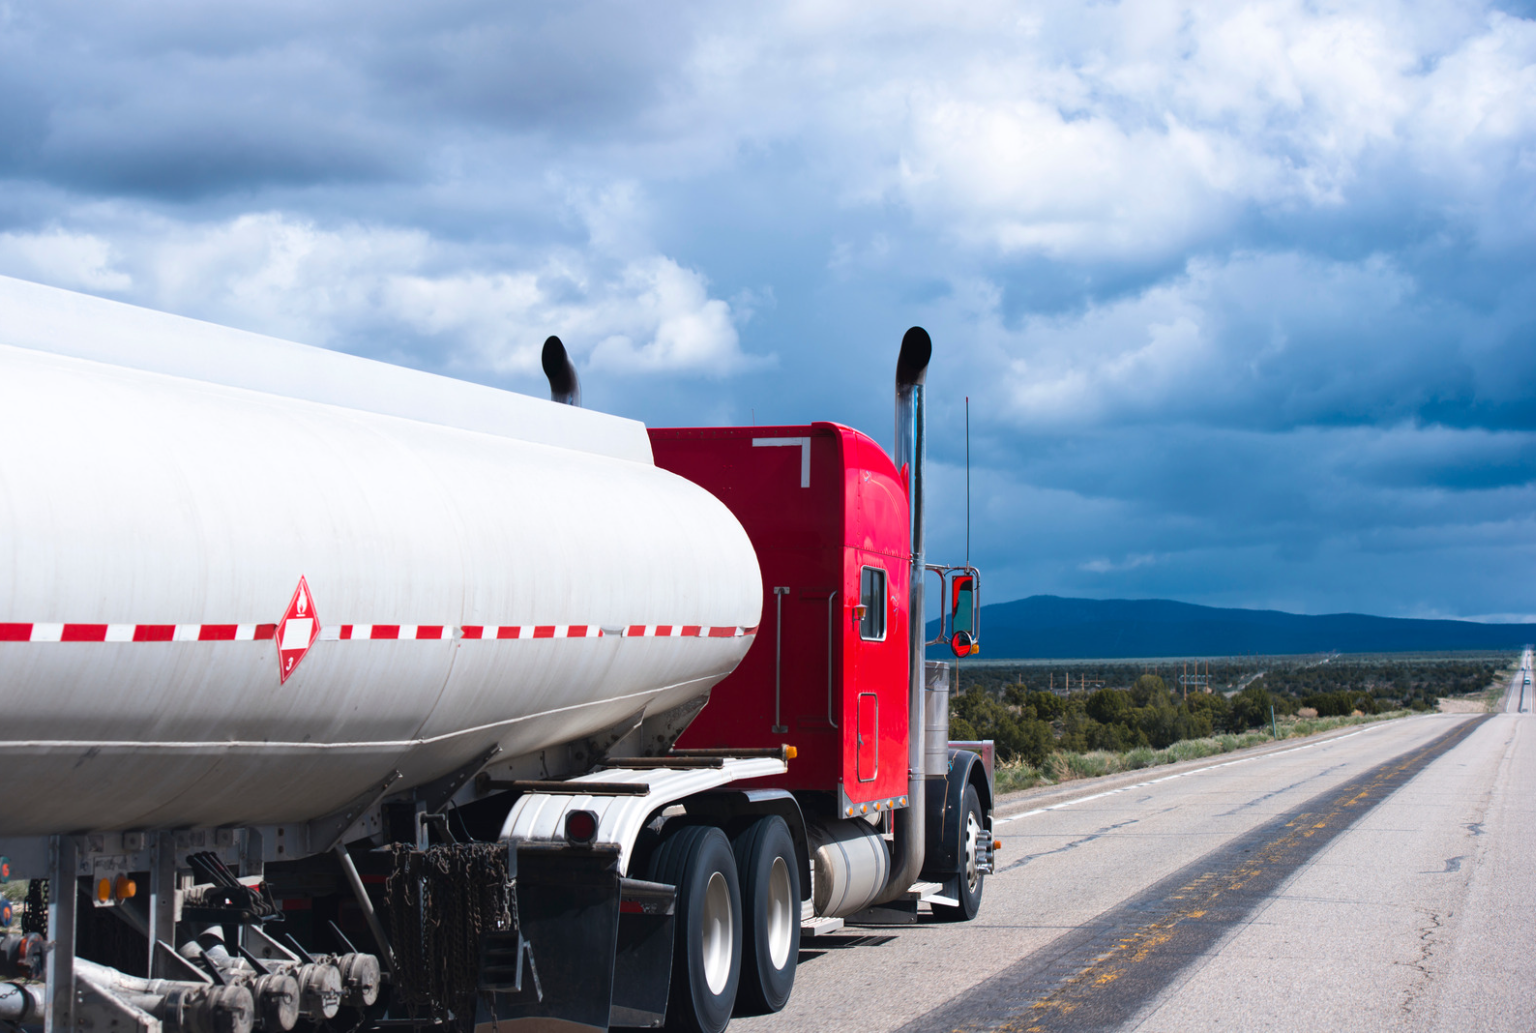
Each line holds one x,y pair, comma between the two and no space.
1340,936
1518,699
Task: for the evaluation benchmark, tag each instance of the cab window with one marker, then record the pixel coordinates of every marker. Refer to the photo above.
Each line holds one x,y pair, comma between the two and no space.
872,598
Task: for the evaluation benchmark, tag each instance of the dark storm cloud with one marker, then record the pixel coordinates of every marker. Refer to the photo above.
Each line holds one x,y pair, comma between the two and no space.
176,102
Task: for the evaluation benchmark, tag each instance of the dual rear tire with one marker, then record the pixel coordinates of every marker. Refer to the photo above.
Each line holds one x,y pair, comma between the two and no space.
770,877
737,921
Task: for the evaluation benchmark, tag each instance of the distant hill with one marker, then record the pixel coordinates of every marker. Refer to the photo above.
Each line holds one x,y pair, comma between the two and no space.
1048,626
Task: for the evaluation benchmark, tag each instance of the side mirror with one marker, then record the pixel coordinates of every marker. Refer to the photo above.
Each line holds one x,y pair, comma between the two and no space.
960,622
962,594
960,643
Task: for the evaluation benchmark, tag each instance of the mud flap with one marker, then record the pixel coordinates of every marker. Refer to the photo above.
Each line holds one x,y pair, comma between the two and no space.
556,971
643,965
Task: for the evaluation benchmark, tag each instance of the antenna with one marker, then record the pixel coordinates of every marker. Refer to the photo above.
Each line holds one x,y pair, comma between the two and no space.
967,480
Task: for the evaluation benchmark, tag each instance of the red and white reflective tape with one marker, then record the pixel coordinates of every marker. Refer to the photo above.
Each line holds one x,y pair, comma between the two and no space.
418,632
500,631
684,631
41,632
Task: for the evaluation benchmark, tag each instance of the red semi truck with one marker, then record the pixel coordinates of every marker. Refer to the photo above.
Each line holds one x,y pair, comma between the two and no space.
621,822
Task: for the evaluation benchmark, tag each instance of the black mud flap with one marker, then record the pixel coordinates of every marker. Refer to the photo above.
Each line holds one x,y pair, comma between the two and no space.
643,963
556,971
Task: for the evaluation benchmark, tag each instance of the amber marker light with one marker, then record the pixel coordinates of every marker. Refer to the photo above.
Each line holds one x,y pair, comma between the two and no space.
125,888
104,890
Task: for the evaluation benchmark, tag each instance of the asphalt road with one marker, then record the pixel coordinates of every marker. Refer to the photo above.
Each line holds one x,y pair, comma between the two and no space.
1379,878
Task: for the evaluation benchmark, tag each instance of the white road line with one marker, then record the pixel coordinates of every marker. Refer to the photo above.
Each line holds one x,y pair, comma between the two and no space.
1182,774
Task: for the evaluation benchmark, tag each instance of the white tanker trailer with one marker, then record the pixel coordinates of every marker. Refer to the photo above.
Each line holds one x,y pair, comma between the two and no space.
299,649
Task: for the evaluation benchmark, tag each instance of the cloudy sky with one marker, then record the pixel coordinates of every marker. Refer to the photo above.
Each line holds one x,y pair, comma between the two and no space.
1243,295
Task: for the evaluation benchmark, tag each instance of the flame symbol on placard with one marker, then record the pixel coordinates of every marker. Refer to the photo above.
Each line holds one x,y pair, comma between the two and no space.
303,602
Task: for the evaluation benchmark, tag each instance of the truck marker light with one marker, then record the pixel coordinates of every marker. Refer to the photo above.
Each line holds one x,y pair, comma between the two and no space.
997,844
104,890
790,753
580,828
125,888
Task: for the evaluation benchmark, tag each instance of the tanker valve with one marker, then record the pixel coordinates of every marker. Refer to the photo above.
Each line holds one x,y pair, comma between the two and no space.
210,1009
319,990
277,1001
360,976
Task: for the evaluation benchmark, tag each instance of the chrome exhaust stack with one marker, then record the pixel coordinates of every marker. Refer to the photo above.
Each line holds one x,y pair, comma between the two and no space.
912,452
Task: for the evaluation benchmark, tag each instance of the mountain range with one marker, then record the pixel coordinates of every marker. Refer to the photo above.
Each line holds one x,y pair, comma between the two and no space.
1048,626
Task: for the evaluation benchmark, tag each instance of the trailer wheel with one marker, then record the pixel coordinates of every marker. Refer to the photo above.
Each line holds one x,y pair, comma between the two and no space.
706,955
969,830
770,899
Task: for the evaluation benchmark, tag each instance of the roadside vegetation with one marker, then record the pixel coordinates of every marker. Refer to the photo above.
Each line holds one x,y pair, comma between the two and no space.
1044,736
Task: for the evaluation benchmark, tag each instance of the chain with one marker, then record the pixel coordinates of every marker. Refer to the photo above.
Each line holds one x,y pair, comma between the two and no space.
442,902
35,918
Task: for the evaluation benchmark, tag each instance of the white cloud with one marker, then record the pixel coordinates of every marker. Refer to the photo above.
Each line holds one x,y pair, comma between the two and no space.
81,261
365,287
1104,566
1262,340
1132,130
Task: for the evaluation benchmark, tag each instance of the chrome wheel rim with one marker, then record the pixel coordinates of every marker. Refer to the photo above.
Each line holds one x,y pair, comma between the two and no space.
780,913
716,933
972,836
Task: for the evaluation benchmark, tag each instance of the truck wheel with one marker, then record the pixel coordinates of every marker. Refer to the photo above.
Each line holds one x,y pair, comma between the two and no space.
770,897
706,954
970,830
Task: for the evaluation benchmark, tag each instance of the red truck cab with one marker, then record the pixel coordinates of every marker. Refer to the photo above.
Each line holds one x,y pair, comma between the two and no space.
827,512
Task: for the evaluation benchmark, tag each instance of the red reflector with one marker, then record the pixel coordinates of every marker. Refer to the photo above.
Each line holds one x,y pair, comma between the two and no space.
630,907
580,827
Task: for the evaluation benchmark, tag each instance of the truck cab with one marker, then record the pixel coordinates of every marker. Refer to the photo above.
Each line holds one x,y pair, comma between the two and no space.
827,512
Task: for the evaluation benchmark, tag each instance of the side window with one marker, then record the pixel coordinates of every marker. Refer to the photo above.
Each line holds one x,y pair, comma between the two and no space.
872,598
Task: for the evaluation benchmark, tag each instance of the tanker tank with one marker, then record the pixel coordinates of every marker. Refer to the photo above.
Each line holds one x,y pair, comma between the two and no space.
244,581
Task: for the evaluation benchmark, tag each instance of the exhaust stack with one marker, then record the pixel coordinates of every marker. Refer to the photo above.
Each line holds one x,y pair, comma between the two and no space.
912,452
563,385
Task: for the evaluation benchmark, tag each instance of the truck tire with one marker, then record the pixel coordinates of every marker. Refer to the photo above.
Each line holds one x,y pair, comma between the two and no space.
968,830
706,947
770,899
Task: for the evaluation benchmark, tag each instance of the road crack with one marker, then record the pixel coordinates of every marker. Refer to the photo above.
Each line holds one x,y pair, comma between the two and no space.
1106,830
1423,972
